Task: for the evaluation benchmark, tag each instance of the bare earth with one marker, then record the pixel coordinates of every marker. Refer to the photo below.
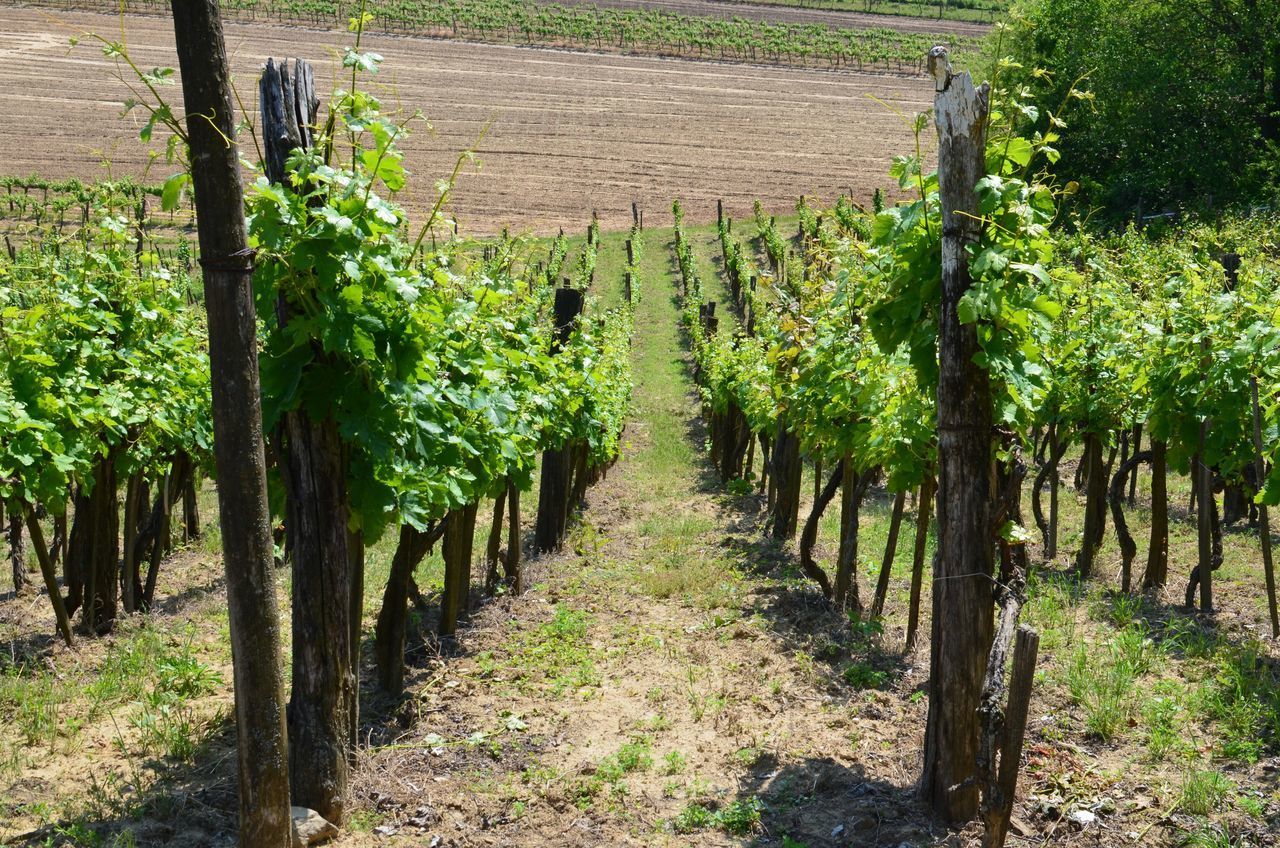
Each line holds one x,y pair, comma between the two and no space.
570,132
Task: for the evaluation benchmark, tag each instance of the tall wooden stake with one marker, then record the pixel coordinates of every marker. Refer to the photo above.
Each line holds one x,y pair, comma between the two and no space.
247,550
962,600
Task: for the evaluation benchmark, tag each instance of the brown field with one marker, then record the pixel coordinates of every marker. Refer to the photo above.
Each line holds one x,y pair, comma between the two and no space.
570,132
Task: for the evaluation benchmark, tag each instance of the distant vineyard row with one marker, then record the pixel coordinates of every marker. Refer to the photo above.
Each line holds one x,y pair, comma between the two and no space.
648,32
985,11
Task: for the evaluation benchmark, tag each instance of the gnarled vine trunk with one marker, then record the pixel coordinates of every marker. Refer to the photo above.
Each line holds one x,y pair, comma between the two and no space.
1157,571
1095,505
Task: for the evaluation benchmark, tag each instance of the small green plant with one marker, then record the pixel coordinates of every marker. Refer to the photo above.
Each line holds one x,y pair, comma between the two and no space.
636,755
1208,835
737,818
1252,806
167,722
740,817
693,817
1161,715
862,675
673,762
1204,791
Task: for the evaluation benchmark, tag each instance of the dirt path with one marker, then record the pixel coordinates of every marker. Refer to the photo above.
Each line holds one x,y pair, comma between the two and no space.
657,686
570,132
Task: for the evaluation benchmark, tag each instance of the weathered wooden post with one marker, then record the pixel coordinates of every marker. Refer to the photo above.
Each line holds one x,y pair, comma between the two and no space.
1002,781
247,549
890,550
557,463
324,697
962,601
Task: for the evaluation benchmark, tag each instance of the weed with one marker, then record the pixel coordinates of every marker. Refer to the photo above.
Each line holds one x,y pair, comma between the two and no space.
655,724
862,675
738,818
1103,683
1204,791
673,762
1190,638
1161,715
1208,836
692,818
557,652
168,724
636,755
1120,608
1244,699
1252,806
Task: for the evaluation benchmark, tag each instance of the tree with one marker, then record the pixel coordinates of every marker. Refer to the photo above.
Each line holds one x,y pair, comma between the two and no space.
237,422
1186,94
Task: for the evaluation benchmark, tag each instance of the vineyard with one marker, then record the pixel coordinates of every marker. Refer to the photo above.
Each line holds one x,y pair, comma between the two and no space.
584,27
327,522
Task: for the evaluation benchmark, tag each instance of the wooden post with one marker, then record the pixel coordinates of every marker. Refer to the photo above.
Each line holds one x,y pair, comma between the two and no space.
1264,519
247,549
1055,482
493,547
553,491
1095,511
846,586
719,213
325,686
998,806
1204,521
635,214
962,608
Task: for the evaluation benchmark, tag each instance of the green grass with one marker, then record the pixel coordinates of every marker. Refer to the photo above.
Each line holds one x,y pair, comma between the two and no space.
1203,792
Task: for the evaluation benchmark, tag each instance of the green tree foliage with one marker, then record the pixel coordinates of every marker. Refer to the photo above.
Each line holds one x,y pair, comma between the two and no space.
1187,97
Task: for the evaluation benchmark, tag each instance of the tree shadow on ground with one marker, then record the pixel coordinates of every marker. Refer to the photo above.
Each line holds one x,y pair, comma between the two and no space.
152,800
818,802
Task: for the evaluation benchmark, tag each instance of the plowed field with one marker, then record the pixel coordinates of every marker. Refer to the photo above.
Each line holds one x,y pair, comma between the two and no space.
570,132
